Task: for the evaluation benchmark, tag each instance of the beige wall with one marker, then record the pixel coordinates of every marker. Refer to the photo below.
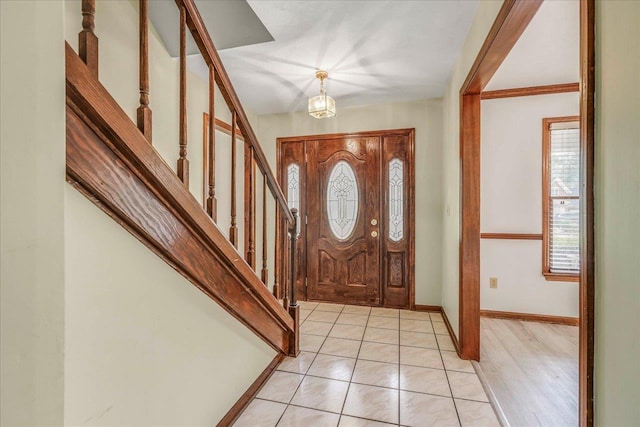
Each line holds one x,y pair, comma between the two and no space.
617,376
117,30
426,118
32,215
145,346
511,202
485,15
617,189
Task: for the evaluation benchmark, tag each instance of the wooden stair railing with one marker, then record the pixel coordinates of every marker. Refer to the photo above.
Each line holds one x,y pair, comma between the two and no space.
112,161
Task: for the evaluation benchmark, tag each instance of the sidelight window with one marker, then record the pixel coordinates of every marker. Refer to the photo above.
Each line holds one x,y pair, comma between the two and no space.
293,189
396,200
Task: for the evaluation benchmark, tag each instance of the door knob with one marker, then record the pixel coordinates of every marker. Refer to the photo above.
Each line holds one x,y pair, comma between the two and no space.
374,233
374,222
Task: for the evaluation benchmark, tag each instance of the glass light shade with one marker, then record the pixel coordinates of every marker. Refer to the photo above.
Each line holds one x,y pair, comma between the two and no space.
322,106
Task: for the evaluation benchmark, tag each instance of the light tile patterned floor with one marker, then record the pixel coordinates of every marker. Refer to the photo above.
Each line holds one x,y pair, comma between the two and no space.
362,366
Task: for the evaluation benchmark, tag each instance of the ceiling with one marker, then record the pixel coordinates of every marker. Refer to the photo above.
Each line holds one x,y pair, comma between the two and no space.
226,16
374,51
548,52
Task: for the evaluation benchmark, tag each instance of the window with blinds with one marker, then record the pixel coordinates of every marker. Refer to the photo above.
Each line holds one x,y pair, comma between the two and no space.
561,192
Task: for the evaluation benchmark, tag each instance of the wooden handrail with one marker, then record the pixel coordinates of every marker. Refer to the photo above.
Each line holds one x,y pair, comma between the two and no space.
107,161
210,54
110,161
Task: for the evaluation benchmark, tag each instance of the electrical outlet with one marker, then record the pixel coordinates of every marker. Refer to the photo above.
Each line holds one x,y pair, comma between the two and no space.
493,282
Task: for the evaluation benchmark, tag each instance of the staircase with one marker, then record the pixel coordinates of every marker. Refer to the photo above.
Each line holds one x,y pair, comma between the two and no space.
111,160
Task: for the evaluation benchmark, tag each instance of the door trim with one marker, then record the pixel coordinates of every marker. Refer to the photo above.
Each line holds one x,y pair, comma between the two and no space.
411,190
509,25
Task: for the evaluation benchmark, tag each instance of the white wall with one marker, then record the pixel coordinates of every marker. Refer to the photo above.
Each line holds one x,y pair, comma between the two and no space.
617,190
485,15
511,202
426,118
32,215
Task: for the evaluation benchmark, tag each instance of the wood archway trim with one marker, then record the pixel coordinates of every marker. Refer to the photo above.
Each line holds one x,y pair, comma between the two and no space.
513,18
511,21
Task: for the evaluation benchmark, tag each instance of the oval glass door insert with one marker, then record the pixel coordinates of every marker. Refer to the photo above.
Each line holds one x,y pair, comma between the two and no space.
342,200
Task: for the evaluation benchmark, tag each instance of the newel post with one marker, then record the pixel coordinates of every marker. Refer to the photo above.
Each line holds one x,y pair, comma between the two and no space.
294,308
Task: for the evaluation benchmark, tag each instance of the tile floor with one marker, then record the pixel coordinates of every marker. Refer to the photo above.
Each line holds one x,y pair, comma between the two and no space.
362,366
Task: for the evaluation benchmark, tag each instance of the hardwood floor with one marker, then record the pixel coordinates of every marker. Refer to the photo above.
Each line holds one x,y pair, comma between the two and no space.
532,369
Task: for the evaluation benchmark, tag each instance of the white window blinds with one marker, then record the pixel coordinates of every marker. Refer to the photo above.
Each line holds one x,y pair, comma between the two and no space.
564,198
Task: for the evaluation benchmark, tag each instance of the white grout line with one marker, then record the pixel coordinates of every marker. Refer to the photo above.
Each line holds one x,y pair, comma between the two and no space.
314,359
357,358
354,371
453,399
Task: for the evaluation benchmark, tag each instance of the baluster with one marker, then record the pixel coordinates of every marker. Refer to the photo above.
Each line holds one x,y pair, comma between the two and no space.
284,272
212,204
87,39
144,112
294,308
265,272
233,231
183,162
277,259
249,206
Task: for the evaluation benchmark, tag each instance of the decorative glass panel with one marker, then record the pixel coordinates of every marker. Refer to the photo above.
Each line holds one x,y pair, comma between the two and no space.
342,200
396,199
293,189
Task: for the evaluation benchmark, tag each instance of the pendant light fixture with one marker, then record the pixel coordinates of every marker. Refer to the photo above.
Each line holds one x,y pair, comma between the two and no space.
322,106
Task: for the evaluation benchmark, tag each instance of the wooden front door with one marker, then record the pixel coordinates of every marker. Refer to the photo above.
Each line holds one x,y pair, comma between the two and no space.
354,193
343,206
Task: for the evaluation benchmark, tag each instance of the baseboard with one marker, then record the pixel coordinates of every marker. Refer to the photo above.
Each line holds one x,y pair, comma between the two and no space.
432,308
439,309
456,344
527,317
253,389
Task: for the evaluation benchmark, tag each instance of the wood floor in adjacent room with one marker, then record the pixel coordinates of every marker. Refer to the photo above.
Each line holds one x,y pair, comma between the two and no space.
533,370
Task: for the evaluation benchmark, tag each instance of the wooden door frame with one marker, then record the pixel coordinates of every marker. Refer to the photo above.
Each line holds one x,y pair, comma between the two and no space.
510,23
410,160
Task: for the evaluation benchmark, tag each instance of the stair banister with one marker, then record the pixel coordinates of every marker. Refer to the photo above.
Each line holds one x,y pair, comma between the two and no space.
105,130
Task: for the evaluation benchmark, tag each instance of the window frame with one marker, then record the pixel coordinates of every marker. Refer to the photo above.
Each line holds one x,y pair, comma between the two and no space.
546,199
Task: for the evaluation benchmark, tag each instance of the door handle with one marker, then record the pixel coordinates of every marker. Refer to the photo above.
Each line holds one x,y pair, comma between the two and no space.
374,222
374,233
